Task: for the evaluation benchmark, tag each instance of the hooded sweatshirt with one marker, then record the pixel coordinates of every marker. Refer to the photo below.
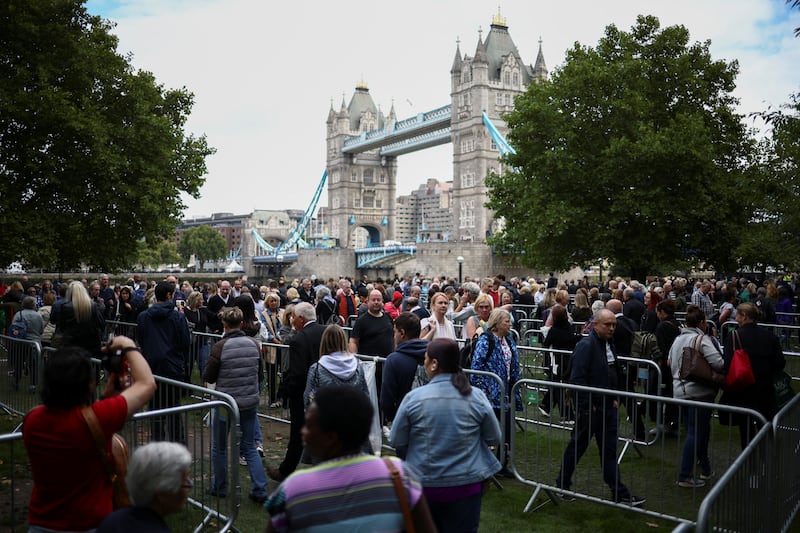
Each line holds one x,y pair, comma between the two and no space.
398,374
163,334
338,368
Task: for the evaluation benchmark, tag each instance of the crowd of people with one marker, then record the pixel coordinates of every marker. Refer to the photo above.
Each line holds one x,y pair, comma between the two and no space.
232,330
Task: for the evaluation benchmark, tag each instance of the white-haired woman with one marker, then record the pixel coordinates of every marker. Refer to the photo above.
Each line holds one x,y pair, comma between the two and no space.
496,352
158,485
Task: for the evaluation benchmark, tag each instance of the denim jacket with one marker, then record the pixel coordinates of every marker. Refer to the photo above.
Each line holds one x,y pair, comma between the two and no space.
494,362
446,436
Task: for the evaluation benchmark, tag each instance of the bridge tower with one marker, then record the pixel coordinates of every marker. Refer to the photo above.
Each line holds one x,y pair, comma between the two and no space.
361,187
488,81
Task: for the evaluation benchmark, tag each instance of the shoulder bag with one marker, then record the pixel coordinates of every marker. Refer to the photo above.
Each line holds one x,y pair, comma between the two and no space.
117,466
401,495
694,366
740,374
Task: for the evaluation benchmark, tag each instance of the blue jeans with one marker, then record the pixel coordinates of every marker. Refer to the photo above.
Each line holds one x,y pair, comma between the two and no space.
219,452
698,428
257,435
600,423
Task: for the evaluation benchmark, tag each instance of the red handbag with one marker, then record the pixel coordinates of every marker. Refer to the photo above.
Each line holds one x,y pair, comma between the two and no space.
740,374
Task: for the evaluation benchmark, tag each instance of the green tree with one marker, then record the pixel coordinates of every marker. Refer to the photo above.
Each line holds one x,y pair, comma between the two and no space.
631,152
168,253
93,155
148,255
204,242
772,238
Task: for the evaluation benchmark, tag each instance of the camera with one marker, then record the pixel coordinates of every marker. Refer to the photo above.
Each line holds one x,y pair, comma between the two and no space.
112,361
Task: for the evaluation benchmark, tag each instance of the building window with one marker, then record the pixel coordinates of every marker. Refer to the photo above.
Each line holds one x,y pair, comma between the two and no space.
382,178
336,203
369,200
498,99
508,99
354,175
493,146
467,180
506,77
357,202
368,176
335,176
515,78
378,203
467,145
466,218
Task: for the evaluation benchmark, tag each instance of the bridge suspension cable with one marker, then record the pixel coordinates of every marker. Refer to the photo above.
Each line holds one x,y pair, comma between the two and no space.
497,137
295,238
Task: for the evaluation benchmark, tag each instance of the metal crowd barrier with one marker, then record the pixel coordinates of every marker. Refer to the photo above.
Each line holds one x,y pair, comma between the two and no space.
15,490
786,490
742,500
642,376
23,365
203,512
206,512
538,450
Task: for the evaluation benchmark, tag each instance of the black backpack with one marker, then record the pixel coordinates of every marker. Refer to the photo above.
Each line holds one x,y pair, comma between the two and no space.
645,346
465,355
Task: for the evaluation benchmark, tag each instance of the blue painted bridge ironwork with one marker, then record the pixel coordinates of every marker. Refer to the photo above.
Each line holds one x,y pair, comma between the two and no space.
421,131
384,256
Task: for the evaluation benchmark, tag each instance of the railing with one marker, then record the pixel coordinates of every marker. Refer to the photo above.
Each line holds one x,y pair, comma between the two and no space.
539,450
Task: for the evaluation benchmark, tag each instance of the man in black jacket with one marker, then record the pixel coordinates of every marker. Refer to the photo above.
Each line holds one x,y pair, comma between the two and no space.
594,364
163,334
303,352
401,365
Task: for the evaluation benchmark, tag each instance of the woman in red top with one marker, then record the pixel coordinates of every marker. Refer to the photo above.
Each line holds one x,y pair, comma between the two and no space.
71,490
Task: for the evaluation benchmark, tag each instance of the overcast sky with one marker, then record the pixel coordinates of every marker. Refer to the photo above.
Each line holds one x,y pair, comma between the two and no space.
264,73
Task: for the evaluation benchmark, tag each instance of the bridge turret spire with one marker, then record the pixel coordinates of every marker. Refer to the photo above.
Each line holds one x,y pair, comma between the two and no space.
331,113
480,49
539,68
457,62
499,20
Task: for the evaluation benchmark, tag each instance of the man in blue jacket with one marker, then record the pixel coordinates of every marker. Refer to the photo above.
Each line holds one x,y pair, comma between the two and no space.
594,364
401,365
163,335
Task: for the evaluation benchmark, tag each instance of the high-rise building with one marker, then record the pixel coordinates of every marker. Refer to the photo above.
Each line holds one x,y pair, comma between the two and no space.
426,214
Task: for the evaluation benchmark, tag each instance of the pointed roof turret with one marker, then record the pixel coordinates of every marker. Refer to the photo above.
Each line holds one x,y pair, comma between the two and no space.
331,113
457,63
480,49
343,108
539,68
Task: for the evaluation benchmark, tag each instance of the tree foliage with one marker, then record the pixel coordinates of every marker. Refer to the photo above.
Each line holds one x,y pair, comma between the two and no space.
93,155
772,239
631,152
204,242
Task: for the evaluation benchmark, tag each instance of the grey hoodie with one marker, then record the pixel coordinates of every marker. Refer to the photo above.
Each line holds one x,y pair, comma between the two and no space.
338,368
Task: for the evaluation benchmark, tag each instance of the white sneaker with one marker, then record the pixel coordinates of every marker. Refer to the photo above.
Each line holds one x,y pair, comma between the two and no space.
242,460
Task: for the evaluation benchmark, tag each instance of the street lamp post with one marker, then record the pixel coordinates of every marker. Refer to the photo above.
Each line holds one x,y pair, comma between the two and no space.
460,260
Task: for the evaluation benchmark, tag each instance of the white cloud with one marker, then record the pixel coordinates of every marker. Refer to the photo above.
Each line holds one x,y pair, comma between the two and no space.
264,73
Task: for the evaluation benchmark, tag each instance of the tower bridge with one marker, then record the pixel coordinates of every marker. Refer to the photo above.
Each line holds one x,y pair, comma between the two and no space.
363,146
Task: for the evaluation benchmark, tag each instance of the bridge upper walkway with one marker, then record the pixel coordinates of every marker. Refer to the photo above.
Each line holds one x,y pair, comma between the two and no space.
421,131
